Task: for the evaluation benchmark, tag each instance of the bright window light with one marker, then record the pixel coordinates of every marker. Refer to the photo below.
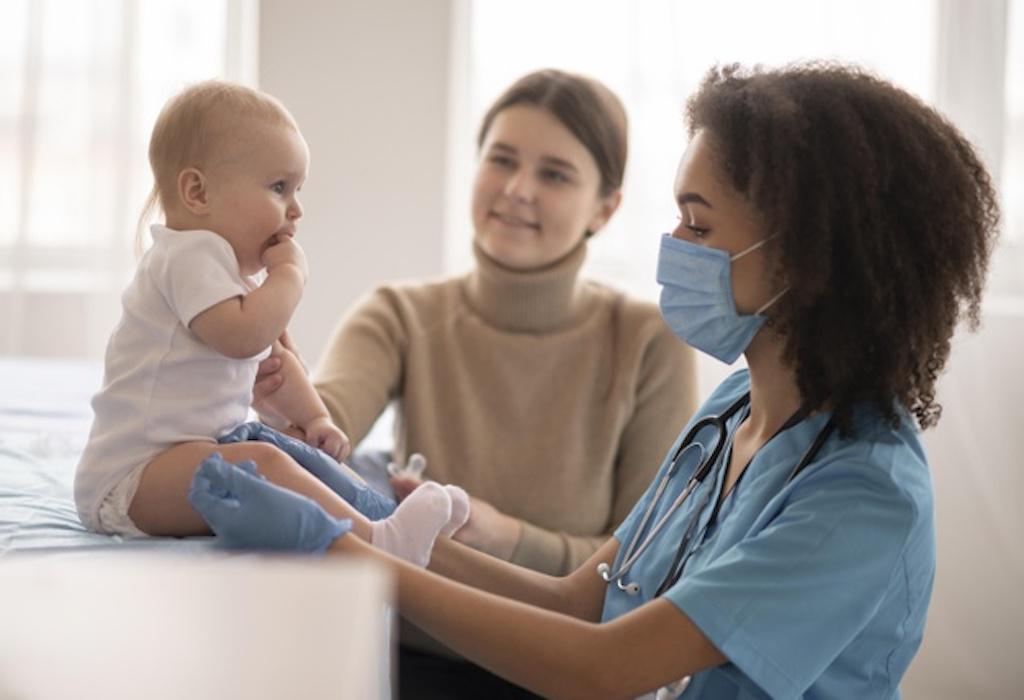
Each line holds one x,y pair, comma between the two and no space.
653,54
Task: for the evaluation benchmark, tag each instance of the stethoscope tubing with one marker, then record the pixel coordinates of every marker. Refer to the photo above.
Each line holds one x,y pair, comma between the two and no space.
636,548
705,463
634,554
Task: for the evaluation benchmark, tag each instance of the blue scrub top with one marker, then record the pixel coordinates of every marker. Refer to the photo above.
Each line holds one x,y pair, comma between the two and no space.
817,588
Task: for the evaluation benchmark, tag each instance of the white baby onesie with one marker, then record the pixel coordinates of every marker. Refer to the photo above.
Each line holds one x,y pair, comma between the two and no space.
162,385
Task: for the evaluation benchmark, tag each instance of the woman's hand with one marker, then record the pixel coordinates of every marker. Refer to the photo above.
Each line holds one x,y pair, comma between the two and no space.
487,530
269,379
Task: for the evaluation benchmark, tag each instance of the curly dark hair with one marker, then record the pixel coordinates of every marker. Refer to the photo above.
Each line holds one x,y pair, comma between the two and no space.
884,215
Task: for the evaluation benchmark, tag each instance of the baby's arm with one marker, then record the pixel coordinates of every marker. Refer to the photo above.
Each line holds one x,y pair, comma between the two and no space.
244,326
297,402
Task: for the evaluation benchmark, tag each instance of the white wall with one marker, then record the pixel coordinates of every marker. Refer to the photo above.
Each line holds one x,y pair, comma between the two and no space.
367,81
971,646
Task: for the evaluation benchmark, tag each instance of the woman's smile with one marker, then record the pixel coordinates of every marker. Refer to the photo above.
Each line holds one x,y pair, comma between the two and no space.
514,221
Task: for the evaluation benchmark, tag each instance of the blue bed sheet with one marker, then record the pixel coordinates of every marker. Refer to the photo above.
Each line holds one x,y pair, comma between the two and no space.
44,422
37,512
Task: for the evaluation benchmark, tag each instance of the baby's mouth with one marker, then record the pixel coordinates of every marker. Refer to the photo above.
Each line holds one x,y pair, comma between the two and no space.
279,238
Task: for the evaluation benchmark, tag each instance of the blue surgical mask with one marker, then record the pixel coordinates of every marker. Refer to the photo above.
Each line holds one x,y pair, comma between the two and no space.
696,298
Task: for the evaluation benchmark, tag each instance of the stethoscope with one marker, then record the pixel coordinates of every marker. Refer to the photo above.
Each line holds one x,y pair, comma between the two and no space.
706,463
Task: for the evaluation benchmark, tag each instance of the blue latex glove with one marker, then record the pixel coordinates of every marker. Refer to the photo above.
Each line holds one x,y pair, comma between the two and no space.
248,512
367,501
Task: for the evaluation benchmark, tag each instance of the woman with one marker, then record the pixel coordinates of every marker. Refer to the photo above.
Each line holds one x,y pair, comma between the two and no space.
834,229
549,398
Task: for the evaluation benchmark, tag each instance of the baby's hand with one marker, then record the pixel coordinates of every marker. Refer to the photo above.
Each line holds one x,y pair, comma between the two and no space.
325,435
286,252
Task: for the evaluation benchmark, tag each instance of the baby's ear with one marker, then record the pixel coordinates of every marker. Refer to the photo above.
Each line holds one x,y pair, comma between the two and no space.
192,190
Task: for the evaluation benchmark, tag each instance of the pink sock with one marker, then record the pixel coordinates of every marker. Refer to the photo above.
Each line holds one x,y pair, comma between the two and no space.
410,531
460,510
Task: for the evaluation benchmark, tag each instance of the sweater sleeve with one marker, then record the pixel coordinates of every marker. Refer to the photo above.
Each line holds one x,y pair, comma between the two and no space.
361,370
665,399
554,553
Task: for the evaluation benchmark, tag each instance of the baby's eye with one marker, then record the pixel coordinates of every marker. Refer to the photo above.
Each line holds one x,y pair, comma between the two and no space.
278,187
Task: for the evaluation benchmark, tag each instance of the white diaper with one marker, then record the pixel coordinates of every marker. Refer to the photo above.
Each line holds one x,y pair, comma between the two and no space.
113,515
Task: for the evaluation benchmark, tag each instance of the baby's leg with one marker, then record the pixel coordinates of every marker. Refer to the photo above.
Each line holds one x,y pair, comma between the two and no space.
160,506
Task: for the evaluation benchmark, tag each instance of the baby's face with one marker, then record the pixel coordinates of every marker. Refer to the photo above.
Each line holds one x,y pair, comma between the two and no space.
254,191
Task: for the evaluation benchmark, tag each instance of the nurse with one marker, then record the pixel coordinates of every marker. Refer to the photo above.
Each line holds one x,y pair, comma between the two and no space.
834,230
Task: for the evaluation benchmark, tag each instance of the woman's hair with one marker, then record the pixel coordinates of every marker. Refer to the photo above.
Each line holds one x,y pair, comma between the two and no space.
884,215
588,109
192,126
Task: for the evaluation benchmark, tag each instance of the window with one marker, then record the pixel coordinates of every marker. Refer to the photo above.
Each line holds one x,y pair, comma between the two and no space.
1013,161
1008,269
80,86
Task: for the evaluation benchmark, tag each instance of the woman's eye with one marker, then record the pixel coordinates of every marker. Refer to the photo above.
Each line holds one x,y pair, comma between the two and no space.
555,176
501,161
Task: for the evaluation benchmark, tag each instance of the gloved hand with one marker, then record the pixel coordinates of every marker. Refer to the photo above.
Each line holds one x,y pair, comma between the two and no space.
248,512
342,481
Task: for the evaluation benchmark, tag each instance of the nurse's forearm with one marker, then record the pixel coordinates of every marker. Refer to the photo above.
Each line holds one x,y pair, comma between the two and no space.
553,654
548,652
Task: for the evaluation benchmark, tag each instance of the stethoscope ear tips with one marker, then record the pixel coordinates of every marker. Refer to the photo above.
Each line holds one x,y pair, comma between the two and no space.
631,588
603,570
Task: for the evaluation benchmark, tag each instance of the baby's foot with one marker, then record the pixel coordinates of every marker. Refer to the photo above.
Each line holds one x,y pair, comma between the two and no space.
460,510
411,530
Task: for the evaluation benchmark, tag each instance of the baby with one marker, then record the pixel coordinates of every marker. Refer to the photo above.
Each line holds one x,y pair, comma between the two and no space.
210,299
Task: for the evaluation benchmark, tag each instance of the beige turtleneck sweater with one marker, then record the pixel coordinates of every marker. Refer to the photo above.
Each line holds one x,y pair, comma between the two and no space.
551,397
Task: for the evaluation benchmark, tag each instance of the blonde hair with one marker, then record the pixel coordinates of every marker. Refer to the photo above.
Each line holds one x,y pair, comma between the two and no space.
188,130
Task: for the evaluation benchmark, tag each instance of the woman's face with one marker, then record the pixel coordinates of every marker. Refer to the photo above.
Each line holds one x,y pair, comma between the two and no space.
712,213
536,190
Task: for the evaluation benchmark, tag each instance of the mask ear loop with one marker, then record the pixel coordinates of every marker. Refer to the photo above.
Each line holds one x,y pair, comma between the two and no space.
751,249
771,301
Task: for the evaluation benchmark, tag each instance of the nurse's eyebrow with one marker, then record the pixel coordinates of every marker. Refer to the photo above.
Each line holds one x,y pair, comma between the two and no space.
692,197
